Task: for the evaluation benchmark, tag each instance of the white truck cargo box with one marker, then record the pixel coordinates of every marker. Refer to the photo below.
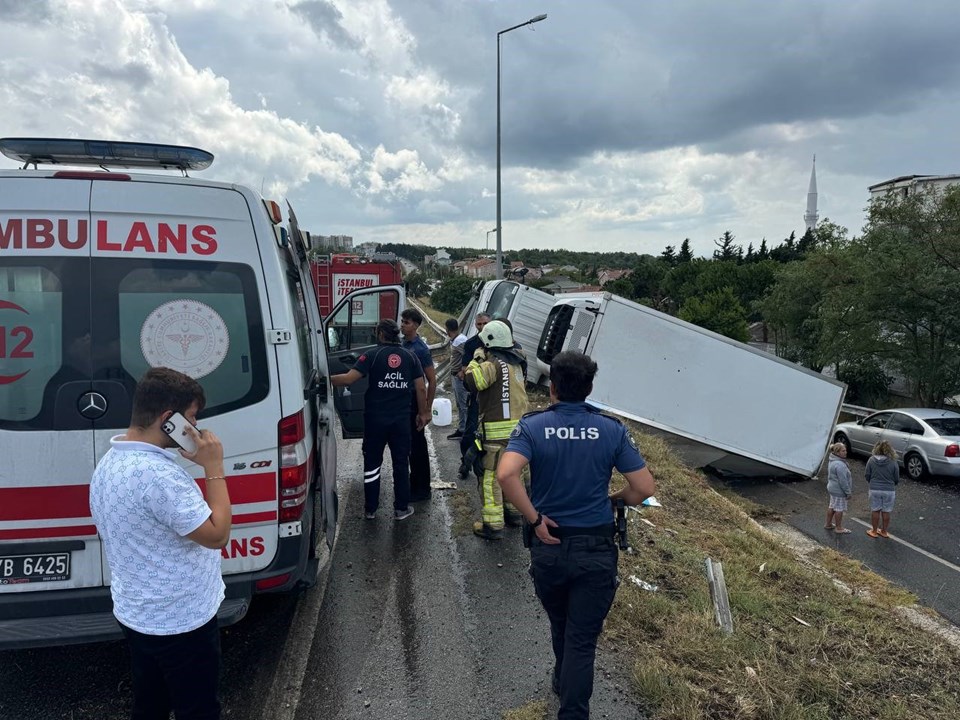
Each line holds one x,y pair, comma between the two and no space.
737,410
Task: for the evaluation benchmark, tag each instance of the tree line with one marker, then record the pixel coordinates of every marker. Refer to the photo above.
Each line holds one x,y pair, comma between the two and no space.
872,307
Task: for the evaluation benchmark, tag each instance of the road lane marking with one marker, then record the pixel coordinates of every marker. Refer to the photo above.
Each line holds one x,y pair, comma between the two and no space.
935,558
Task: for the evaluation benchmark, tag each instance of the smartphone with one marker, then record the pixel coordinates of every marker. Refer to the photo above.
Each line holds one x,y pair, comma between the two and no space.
176,427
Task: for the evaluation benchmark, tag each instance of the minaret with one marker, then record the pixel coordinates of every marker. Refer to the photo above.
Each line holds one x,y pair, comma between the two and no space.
810,217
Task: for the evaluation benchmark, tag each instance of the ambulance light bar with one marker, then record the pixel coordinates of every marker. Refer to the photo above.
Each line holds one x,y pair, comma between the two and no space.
54,151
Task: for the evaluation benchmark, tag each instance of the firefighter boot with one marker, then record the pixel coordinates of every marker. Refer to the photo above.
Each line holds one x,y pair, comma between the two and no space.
487,532
512,516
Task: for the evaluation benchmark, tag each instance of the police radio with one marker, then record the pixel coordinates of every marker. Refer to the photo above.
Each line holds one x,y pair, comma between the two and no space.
622,524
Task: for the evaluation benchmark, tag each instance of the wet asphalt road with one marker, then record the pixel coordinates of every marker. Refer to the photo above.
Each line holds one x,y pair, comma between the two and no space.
408,621
417,622
923,553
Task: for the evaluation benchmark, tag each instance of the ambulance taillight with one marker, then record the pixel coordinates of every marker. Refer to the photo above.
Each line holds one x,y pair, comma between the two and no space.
294,461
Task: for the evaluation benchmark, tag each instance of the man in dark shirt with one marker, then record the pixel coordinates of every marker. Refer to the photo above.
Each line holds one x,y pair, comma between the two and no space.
410,321
395,378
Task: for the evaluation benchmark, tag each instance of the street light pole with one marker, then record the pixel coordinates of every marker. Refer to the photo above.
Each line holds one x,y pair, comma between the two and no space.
499,267
488,238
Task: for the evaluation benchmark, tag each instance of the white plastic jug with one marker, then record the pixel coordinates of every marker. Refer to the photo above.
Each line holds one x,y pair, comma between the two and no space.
442,412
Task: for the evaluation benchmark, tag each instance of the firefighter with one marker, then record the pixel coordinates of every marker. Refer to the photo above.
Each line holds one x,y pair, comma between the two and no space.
496,374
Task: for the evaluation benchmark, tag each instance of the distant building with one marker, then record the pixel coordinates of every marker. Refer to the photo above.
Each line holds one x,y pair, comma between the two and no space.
605,276
483,268
562,284
910,184
442,258
333,243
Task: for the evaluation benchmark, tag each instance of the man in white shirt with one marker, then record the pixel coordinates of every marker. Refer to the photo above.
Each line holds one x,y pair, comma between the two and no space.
457,340
162,541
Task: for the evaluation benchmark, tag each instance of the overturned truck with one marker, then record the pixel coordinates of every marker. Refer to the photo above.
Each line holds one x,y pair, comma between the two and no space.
726,407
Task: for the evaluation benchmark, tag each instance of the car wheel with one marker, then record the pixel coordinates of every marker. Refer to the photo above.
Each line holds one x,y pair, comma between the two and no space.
842,439
915,467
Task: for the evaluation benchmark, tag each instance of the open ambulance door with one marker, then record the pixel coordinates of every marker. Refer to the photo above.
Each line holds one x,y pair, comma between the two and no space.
350,330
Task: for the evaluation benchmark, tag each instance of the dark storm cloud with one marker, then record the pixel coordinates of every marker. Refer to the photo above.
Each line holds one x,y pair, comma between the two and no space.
628,76
325,19
25,12
134,74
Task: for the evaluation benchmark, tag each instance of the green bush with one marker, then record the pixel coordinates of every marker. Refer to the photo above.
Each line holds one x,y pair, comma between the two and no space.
453,294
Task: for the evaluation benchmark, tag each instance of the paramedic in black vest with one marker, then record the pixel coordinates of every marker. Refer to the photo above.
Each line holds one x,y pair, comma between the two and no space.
572,448
395,379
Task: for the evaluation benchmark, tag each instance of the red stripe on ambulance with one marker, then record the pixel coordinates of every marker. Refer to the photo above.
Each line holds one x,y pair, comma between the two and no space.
73,501
44,503
158,238
49,532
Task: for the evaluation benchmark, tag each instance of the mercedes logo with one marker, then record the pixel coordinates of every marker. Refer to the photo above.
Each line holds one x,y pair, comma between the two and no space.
92,405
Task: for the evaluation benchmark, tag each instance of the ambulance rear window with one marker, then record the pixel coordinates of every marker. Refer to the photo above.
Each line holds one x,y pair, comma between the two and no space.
202,319
69,326
31,319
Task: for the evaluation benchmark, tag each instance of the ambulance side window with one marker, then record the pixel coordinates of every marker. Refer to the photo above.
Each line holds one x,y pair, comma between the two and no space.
31,338
298,302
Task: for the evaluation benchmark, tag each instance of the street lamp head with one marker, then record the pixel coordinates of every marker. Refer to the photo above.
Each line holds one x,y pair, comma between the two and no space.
499,228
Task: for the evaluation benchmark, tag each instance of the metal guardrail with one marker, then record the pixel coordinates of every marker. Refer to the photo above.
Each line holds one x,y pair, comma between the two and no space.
857,410
443,369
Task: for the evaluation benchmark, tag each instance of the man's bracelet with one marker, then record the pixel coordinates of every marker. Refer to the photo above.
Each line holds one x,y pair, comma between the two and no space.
536,523
216,477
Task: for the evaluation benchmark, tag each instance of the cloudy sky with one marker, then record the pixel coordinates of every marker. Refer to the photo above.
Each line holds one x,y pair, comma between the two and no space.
626,125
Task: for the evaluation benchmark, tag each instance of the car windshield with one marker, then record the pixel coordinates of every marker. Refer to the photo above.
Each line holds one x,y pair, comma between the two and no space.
944,426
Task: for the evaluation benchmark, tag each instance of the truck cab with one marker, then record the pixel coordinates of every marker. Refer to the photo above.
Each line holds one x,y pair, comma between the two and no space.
525,307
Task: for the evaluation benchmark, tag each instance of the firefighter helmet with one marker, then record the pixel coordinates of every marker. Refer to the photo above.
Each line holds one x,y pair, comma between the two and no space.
496,334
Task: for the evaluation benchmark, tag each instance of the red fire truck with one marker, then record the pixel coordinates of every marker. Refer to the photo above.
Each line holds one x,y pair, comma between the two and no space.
336,275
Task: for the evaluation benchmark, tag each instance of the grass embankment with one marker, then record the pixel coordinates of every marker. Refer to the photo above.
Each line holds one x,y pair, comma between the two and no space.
854,658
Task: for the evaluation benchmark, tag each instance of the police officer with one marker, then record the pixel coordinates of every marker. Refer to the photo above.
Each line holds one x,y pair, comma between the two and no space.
496,375
395,379
571,449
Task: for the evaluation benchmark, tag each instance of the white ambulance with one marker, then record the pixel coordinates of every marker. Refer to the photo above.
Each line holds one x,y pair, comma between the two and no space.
105,273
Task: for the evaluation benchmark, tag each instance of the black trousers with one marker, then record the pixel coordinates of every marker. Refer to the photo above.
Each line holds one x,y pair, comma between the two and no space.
175,672
473,424
377,434
576,582
419,463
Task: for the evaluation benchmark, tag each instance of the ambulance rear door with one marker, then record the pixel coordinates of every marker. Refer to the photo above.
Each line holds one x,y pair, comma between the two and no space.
350,332
178,281
47,399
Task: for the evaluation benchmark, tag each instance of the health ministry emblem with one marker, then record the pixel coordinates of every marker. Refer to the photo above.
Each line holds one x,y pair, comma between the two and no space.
185,335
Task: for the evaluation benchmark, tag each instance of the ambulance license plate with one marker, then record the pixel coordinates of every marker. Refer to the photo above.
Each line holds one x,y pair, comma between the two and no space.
16,569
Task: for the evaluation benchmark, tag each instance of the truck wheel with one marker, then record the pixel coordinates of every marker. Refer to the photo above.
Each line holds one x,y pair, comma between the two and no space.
915,467
842,439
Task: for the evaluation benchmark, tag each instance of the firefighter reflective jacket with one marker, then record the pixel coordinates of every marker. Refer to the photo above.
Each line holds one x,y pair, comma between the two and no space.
501,392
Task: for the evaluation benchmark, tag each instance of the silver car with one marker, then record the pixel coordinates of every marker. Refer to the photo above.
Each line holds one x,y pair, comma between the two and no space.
927,441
